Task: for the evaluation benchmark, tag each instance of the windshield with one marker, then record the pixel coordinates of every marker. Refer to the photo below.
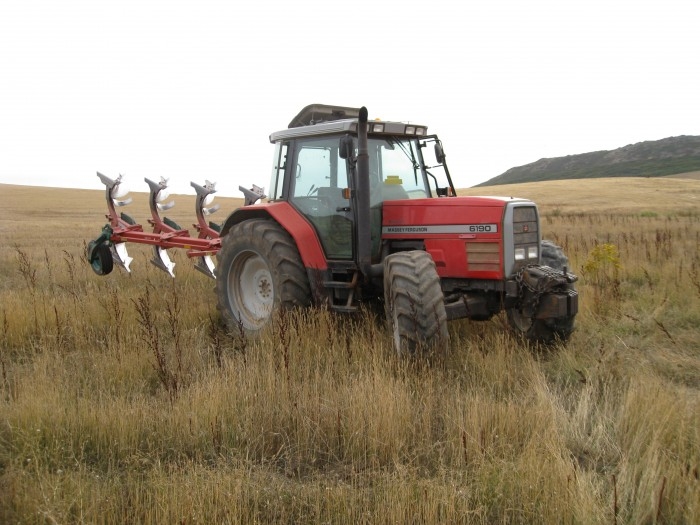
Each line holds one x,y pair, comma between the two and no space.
394,170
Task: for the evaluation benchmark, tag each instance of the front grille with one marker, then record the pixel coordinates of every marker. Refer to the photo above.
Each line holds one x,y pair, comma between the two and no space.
483,257
525,233
525,225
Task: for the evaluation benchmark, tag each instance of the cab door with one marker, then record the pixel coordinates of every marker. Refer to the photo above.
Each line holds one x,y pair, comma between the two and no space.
318,178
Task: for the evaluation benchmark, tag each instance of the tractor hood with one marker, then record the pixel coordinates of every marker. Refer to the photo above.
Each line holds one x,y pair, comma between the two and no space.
445,216
468,237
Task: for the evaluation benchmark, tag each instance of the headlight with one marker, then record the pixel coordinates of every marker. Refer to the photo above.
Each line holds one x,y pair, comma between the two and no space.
410,130
532,252
520,254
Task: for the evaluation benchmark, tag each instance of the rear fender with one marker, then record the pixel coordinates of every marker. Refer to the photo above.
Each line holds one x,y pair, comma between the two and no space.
292,222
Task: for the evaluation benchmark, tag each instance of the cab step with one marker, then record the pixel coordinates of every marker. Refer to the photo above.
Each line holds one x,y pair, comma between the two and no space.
342,291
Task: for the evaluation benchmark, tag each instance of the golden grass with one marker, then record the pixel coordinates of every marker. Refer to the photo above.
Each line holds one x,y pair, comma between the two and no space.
623,195
318,421
688,175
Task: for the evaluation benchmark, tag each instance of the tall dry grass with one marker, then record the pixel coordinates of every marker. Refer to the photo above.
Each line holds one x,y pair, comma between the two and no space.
122,400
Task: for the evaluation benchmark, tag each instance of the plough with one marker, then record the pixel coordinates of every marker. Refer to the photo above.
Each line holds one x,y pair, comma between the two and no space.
110,246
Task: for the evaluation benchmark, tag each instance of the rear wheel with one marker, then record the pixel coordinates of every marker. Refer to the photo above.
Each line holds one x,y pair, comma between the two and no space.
259,271
414,303
545,331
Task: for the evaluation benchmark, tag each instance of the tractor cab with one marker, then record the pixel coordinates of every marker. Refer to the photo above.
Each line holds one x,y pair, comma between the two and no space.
315,170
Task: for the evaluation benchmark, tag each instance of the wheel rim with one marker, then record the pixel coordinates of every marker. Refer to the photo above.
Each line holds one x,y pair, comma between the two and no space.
251,290
97,265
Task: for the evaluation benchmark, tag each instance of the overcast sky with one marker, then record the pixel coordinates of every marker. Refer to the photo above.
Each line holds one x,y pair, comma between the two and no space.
192,90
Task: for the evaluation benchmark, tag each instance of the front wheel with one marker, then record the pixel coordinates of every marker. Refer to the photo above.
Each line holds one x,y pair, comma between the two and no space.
414,303
259,272
553,256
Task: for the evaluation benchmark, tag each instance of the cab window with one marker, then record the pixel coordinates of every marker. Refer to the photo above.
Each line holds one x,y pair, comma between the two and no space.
319,177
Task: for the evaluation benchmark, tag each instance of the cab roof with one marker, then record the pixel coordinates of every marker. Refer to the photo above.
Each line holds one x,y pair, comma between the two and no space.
317,113
323,119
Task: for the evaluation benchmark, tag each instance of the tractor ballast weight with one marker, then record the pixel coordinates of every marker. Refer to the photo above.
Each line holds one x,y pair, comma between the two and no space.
361,211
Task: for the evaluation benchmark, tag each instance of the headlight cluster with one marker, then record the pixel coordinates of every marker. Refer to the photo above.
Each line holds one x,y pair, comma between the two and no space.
380,127
526,249
394,128
529,252
414,130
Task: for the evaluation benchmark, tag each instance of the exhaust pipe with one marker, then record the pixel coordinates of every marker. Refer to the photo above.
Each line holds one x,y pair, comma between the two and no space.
364,239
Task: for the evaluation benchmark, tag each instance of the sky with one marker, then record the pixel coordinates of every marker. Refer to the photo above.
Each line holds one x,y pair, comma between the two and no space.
191,90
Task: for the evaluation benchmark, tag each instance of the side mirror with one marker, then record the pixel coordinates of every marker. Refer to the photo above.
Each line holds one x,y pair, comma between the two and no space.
346,147
439,153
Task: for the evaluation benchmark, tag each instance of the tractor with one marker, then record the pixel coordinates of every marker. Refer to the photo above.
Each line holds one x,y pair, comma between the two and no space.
360,212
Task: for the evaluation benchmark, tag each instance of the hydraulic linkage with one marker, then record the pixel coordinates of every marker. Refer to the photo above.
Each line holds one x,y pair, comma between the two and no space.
110,246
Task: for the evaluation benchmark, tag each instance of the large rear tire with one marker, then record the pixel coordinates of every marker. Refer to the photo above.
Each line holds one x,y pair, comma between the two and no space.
414,303
259,271
545,331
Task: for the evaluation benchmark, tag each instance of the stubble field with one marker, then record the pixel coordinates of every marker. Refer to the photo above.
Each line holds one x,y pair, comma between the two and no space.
122,400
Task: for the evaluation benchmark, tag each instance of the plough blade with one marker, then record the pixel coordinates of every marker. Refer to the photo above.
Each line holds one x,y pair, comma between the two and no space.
209,211
124,202
205,264
117,189
121,256
161,260
252,195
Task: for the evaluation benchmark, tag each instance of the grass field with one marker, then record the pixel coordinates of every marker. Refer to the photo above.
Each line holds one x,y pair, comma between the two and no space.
123,401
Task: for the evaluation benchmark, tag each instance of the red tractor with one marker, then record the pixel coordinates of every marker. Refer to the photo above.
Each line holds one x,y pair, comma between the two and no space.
362,211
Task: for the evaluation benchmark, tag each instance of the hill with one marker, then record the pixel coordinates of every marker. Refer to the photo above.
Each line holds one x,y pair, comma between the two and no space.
655,158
